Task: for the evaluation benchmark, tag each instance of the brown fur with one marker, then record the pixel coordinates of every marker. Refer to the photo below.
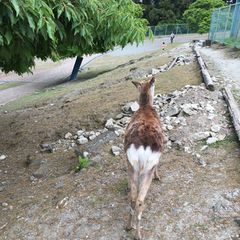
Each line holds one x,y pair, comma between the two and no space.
145,130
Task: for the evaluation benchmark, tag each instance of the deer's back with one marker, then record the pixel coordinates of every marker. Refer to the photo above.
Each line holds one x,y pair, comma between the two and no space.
145,130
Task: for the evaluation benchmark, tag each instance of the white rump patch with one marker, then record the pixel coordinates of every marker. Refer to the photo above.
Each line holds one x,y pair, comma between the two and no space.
142,159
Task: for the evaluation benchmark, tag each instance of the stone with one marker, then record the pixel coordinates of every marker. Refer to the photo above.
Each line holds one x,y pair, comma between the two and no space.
92,137
42,171
85,154
221,137
80,132
3,157
45,147
169,127
202,162
4,204
119,132
116,150
155,71
203,148
189,109
125,120
68,135
110,124
211,140
82,140
210,108
119,116
200,136
173,111
134,106
216,128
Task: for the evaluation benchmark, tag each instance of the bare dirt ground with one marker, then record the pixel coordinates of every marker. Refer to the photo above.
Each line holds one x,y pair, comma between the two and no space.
43,198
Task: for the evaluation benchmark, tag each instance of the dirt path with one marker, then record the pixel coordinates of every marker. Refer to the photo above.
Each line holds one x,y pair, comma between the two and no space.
222,66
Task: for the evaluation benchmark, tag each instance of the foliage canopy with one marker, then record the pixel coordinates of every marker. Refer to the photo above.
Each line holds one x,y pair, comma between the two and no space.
64,28
198,15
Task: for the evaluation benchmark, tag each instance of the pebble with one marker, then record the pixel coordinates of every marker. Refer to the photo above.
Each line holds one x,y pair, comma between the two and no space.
216,128
4,204
3,157
211,140
82,140
68,135
116,150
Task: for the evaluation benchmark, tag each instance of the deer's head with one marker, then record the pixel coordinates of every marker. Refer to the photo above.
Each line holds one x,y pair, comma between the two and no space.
146,89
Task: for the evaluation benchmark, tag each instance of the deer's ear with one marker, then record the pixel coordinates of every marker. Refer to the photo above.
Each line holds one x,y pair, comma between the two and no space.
152,81
137,84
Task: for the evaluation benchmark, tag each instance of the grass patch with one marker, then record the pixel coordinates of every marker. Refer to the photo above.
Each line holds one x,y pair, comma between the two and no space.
120,187
9,85
83,162
229,143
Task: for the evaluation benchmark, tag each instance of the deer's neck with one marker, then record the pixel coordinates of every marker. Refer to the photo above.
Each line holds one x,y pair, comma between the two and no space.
146,98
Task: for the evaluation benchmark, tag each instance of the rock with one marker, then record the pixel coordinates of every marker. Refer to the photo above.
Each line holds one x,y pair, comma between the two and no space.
211,140
116,150
110,124
92,137
200,136
42,170
119,116
173,111
80,132
3,157
82,140
45,147
134,106
204,148
131,107
215,128
155,71
1,189
68,135
85,154
125,120
4,204
62,203
119,132
202,162
221,137
210,108
189,109
169,127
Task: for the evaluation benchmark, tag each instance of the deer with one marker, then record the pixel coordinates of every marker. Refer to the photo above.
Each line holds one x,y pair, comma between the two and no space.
143,144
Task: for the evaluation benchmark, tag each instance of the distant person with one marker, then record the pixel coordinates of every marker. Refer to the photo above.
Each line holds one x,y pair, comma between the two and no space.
172,36
163,47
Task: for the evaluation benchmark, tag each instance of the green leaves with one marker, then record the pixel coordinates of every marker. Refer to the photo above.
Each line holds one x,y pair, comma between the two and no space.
198,15
16,6
64,28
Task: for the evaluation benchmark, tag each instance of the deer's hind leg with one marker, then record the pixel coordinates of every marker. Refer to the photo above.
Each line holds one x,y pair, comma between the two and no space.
144,184
132,178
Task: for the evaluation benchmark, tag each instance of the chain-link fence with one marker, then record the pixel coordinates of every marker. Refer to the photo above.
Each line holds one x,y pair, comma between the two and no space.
167,29
225,25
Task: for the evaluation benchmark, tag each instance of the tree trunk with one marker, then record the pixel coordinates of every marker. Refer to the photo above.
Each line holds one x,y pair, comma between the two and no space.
233,109
205,74
76,68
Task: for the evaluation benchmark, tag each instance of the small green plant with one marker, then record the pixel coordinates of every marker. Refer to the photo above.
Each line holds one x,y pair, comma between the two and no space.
83,162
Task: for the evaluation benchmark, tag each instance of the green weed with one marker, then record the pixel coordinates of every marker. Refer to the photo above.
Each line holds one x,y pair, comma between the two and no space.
83,162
